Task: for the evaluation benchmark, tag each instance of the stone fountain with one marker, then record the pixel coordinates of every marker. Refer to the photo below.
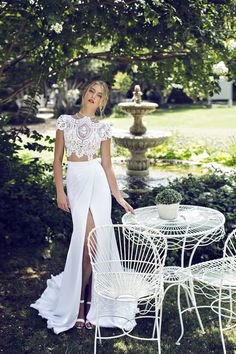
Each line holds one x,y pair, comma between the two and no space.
138,140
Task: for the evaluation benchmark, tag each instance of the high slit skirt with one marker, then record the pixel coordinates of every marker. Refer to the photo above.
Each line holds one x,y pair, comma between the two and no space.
87,189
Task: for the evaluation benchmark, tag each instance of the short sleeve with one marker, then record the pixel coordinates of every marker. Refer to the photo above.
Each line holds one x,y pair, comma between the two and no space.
106,131
61,122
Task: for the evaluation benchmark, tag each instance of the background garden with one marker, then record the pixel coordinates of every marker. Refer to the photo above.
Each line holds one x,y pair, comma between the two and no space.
176,51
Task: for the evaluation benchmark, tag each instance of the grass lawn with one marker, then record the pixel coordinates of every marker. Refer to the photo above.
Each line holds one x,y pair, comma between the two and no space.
208,127
23,277
219,121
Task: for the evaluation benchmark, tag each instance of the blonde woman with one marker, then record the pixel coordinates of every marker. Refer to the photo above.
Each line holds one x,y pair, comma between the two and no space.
67,299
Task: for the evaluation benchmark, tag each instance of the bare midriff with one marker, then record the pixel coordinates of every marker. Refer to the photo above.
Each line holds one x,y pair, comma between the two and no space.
75,158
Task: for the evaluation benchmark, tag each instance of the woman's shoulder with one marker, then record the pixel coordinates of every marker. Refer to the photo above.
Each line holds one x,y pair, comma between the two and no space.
105,122
62,121
106,129
64,116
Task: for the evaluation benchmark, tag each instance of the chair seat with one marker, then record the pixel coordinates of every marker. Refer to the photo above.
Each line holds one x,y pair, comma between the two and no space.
216,272
126,286
174,274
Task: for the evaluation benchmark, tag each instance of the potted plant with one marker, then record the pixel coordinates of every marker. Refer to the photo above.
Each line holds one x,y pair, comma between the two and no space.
168,203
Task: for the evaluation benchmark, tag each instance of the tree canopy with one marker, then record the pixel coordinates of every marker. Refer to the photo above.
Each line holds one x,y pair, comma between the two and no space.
166,42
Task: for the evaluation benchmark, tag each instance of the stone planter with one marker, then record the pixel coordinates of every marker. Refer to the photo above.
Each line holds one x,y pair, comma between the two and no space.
168,211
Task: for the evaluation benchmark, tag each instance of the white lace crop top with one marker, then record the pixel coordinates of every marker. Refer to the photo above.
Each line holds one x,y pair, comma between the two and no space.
83,136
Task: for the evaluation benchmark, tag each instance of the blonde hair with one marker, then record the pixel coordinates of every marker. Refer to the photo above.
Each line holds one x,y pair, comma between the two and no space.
105,94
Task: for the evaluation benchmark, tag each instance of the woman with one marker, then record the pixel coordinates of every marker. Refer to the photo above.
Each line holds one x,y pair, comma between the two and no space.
67,298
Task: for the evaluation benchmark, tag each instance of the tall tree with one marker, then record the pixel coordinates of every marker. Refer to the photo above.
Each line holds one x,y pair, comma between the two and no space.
167,41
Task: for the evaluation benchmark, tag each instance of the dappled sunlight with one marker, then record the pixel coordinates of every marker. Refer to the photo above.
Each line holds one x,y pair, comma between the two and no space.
29,273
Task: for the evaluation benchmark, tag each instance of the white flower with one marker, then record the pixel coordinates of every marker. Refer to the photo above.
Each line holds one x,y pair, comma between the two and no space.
72,95
220,68
34,2
177,86
57,27
135,68
232,44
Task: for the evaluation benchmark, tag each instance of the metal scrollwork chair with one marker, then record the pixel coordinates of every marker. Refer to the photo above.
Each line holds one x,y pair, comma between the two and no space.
216,280
127,278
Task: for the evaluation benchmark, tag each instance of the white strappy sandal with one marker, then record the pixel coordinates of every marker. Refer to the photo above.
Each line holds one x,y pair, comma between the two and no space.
88,324
79,324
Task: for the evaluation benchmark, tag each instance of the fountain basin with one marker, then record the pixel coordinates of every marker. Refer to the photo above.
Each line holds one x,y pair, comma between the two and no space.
138,163
138,110
144,105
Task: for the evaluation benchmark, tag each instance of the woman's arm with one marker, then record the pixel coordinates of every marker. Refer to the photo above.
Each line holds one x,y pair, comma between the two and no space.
107,166
62,200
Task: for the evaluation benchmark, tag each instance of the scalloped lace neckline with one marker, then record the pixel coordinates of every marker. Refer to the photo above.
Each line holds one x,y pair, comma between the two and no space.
85,118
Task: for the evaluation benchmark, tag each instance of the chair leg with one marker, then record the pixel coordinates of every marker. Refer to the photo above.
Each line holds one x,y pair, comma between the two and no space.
220,324
155,325
154,328
191,296
96,328
97,334
99,329
158,324
180,316
231,307
160,316
95,340
194,302
187,298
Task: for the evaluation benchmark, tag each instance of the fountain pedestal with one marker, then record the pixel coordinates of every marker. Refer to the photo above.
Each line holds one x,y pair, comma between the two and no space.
137,140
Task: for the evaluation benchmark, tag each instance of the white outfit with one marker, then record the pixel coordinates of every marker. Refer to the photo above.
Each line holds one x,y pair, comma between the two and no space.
87,188
83,136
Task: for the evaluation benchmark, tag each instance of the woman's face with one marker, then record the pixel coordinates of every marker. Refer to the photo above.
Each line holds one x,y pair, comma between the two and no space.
94,96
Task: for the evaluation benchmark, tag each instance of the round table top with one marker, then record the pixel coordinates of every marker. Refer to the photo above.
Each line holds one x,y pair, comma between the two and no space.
193,222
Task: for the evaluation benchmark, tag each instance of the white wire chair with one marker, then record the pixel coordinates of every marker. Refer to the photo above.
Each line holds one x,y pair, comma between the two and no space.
127,275
216,280
195,226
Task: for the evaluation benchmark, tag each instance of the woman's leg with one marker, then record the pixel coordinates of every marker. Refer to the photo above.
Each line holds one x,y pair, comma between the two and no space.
86,271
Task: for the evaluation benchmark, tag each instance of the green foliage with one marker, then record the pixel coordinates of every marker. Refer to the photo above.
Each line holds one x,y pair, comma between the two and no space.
28,213
67,93
122,82
27,112
119,151
118,112
232,151
42,40
198,150
177,148
168,196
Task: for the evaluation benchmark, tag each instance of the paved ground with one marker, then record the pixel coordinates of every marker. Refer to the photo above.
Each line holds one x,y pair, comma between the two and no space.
48,127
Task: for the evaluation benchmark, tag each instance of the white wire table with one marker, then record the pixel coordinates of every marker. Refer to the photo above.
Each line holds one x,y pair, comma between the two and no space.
195,226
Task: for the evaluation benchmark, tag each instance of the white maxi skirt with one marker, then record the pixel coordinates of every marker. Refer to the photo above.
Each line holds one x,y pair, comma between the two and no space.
87,188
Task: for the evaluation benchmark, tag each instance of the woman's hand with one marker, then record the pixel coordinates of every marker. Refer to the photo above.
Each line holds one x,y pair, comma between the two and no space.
125,205
63,202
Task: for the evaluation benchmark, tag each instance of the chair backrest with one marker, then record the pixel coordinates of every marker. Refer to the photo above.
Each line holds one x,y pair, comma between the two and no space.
134,251
230,245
